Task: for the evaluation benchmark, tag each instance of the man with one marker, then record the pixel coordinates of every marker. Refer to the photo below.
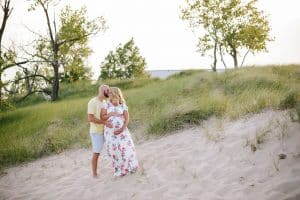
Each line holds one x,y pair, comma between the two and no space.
97,125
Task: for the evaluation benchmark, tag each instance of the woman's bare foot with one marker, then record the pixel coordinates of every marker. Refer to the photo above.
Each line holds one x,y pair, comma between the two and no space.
95,175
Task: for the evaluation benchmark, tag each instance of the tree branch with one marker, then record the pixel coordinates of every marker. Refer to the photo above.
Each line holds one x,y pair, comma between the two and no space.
48,22
36,55
73,39
32,31
245,57
221,55
14,64
6,13
35,75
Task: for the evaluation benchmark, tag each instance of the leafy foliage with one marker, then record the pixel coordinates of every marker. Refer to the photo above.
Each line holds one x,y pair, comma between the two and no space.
230,24
125,62
66,45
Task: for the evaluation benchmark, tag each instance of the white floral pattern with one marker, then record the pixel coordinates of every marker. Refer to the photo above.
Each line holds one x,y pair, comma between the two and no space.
120,148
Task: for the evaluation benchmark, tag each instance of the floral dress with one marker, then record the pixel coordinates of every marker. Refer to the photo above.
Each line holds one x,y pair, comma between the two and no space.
120,148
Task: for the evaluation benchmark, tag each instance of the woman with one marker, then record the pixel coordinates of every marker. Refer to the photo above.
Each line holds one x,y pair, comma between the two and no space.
120,147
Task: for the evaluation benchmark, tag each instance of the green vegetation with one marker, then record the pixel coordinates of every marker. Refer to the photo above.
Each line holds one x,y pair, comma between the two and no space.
227,27
156,107
126,62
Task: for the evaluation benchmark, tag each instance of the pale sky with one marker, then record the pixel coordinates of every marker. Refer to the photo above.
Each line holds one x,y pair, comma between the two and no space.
163,38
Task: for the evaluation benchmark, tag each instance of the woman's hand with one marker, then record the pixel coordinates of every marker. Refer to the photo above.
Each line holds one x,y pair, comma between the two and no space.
112,114
108,124
117,132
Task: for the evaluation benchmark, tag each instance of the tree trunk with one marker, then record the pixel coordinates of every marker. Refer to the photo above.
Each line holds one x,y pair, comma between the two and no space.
234,56
6,13
1,88
221,55
214,67
245,57
27,81
55,83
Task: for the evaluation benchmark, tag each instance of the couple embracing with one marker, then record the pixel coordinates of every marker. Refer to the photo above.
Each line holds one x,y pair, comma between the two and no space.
108,116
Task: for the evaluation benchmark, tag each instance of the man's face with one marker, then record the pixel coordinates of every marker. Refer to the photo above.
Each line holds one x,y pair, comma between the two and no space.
106,92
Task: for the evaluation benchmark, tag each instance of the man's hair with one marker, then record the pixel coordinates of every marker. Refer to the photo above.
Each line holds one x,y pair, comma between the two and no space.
102,86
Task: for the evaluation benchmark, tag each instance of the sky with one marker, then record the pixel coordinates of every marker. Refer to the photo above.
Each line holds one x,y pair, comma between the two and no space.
163,38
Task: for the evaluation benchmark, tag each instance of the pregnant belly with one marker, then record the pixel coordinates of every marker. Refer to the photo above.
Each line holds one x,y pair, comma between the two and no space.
117,122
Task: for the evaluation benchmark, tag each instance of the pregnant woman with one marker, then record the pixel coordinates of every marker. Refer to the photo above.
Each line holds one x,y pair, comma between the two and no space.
120,147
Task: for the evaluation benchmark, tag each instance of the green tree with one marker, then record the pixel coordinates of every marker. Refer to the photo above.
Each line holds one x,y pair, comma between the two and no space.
74,56
58,48
125,62
8,56
229,25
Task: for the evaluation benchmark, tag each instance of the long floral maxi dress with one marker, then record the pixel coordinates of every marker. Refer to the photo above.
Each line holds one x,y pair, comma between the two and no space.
120,148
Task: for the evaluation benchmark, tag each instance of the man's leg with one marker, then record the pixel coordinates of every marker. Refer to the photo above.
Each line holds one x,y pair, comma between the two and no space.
97,143
95,163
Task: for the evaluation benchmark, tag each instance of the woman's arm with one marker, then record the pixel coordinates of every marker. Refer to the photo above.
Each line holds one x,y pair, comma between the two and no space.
105,115
126,117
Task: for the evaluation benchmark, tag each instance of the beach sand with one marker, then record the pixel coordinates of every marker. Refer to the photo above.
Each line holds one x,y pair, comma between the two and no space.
221,159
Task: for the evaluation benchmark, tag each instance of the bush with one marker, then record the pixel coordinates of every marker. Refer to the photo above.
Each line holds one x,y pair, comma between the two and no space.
178,121
289,100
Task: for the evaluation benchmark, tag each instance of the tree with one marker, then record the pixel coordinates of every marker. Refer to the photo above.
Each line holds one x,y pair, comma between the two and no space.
8,56
125,63
245,27
74,55
229,25
55,48
204,14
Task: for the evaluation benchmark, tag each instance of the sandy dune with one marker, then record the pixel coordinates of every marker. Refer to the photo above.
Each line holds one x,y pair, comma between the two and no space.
214,161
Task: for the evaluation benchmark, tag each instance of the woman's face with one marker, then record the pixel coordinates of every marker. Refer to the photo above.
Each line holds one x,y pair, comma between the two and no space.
112,97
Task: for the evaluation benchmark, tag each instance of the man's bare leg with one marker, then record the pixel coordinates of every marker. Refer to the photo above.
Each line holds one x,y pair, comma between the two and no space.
95,163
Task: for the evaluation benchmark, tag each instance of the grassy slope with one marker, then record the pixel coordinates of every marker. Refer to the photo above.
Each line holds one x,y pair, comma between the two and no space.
156,107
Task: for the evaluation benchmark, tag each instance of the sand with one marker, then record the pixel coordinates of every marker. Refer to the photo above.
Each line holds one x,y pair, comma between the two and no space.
212,161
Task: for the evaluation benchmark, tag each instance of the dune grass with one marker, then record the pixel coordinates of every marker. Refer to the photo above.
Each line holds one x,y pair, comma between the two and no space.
39,128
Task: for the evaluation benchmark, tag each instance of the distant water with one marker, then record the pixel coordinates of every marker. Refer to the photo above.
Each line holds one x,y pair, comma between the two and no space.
166,73
162,73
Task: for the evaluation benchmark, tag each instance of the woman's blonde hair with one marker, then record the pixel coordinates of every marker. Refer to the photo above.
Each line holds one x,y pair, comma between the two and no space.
116,92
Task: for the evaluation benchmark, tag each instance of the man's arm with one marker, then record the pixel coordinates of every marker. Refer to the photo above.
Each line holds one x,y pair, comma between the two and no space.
92,118
104,114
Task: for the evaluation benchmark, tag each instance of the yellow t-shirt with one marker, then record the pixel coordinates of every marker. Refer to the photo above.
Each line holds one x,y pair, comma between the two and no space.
94,107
